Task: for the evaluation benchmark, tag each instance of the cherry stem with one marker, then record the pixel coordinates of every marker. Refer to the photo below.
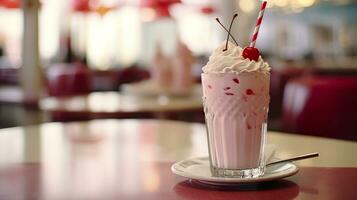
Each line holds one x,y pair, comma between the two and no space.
229,31
219,22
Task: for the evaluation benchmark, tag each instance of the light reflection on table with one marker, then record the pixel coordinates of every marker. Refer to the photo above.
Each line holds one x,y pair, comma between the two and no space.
147,140
101,158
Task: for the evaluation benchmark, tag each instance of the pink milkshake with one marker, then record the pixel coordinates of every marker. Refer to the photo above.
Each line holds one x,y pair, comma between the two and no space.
236,100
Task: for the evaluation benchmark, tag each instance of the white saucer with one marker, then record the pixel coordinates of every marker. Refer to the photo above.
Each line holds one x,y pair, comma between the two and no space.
199,169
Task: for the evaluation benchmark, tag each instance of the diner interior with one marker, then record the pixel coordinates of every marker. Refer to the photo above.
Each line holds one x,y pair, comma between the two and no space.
85,85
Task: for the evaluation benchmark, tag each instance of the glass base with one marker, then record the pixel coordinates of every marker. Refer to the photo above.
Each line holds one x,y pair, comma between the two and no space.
238,173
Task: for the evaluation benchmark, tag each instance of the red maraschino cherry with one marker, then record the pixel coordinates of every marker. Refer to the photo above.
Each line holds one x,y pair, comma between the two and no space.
251,53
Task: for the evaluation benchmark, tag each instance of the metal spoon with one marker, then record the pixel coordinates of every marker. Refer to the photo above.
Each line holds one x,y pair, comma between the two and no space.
306,156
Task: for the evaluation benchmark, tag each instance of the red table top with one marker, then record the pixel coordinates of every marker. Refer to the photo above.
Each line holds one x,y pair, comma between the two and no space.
131,159
27,182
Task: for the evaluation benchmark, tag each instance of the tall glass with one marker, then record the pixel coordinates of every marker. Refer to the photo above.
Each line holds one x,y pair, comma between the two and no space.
236,110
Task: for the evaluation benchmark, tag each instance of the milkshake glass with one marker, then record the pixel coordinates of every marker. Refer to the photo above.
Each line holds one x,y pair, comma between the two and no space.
236,100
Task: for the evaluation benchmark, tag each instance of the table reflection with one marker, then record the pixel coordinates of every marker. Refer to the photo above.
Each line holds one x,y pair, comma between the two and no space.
108,159
284,189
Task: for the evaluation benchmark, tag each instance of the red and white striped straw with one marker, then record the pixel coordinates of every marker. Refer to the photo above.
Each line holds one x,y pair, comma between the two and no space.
257,25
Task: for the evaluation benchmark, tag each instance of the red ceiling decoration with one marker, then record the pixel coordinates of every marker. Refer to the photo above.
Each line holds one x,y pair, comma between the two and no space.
10,4
160,6
81,5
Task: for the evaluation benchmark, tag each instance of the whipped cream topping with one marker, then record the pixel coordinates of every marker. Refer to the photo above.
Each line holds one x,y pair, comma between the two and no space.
232,61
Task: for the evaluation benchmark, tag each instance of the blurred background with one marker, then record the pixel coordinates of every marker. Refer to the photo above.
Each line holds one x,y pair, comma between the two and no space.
73,60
